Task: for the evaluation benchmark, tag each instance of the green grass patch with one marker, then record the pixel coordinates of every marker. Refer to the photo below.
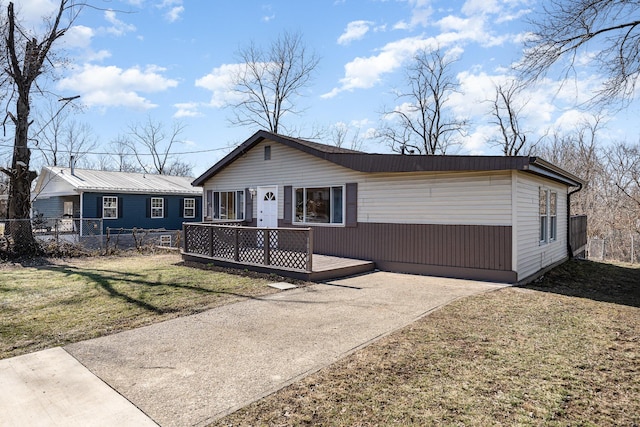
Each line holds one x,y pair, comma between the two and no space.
562,351
77,299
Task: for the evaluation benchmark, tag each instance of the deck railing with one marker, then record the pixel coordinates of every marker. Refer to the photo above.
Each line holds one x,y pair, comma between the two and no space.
277,247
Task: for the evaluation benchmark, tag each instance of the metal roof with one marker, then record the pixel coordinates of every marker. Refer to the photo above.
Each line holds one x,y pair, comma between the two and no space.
123,182
370,163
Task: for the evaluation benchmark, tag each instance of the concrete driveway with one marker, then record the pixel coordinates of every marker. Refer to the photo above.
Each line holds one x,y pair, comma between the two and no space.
193,370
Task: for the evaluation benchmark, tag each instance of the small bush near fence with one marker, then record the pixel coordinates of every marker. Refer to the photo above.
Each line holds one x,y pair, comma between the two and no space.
141,239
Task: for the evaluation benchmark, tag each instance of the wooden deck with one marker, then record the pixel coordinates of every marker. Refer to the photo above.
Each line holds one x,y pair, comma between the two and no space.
324,267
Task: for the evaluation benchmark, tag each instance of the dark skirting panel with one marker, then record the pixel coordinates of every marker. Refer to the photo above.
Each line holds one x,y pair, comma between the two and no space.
466,251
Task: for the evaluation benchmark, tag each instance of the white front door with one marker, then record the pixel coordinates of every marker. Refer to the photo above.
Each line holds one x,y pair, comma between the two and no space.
268,206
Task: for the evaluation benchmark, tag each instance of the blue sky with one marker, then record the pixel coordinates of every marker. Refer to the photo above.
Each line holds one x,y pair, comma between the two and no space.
169,60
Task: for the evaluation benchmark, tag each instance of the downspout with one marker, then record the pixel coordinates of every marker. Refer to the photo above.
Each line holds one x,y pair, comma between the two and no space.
569,250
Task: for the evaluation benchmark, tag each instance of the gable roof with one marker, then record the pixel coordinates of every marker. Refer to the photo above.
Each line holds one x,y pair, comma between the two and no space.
88,180
370,163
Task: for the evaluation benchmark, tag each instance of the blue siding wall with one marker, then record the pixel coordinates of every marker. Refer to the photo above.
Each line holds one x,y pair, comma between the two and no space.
53,207
49,208
134,210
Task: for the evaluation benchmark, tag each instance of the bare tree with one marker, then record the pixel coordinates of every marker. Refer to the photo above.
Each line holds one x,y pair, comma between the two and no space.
341,135
506,115
271,80
121,155
79,140
567,28
623,160
152,147
60,138
28,57
421,122
48,138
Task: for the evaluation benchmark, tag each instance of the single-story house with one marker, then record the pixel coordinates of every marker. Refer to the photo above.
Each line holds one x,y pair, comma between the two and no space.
482,217
120,199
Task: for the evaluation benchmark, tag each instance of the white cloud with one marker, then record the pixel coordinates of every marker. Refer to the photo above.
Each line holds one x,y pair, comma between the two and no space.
220,82
187,109
421,11
475,143
363,73
111,86
100,55
463,30
355,31
173,9
169,3
78,36
474,7
118,27
174,14
32,11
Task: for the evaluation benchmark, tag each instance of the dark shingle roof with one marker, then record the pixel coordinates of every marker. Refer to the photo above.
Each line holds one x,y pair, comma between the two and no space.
365,162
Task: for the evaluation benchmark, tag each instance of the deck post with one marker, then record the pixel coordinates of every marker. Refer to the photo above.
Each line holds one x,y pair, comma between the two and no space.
236,252
310,249
210,241
267,247
184,233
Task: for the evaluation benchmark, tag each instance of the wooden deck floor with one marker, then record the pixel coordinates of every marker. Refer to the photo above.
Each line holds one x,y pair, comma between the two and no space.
324,267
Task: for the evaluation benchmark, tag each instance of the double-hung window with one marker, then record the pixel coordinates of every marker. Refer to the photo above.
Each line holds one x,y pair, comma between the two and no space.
189,208
544,215
548,205
228,204
553,215
319,205
109,207
157,207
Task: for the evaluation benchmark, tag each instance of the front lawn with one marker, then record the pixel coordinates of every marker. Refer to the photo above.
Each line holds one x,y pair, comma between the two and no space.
76,299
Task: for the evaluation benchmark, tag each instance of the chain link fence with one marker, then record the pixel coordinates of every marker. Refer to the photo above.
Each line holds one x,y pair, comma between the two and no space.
85,233
60,235
620,247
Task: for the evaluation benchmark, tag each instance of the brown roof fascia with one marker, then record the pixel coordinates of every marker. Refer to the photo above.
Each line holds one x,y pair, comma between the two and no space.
390,163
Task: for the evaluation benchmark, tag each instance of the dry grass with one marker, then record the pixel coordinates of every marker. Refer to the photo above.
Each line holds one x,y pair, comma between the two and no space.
564,351
72,300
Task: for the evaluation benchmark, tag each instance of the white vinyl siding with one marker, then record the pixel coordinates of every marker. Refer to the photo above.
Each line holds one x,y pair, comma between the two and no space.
469,198
533,256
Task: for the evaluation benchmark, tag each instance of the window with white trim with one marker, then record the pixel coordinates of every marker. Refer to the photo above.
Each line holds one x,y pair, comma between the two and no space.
157,207
319,205
189,208
553,215
544,214
109,207
228,205
548,202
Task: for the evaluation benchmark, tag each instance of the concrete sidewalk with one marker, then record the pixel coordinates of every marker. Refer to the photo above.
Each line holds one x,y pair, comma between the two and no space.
195,369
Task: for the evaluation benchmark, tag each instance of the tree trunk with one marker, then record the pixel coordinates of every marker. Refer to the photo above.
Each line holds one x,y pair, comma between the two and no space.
20,179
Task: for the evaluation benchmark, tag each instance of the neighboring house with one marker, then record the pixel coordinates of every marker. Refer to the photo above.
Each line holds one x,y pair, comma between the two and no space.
482,217
120,199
